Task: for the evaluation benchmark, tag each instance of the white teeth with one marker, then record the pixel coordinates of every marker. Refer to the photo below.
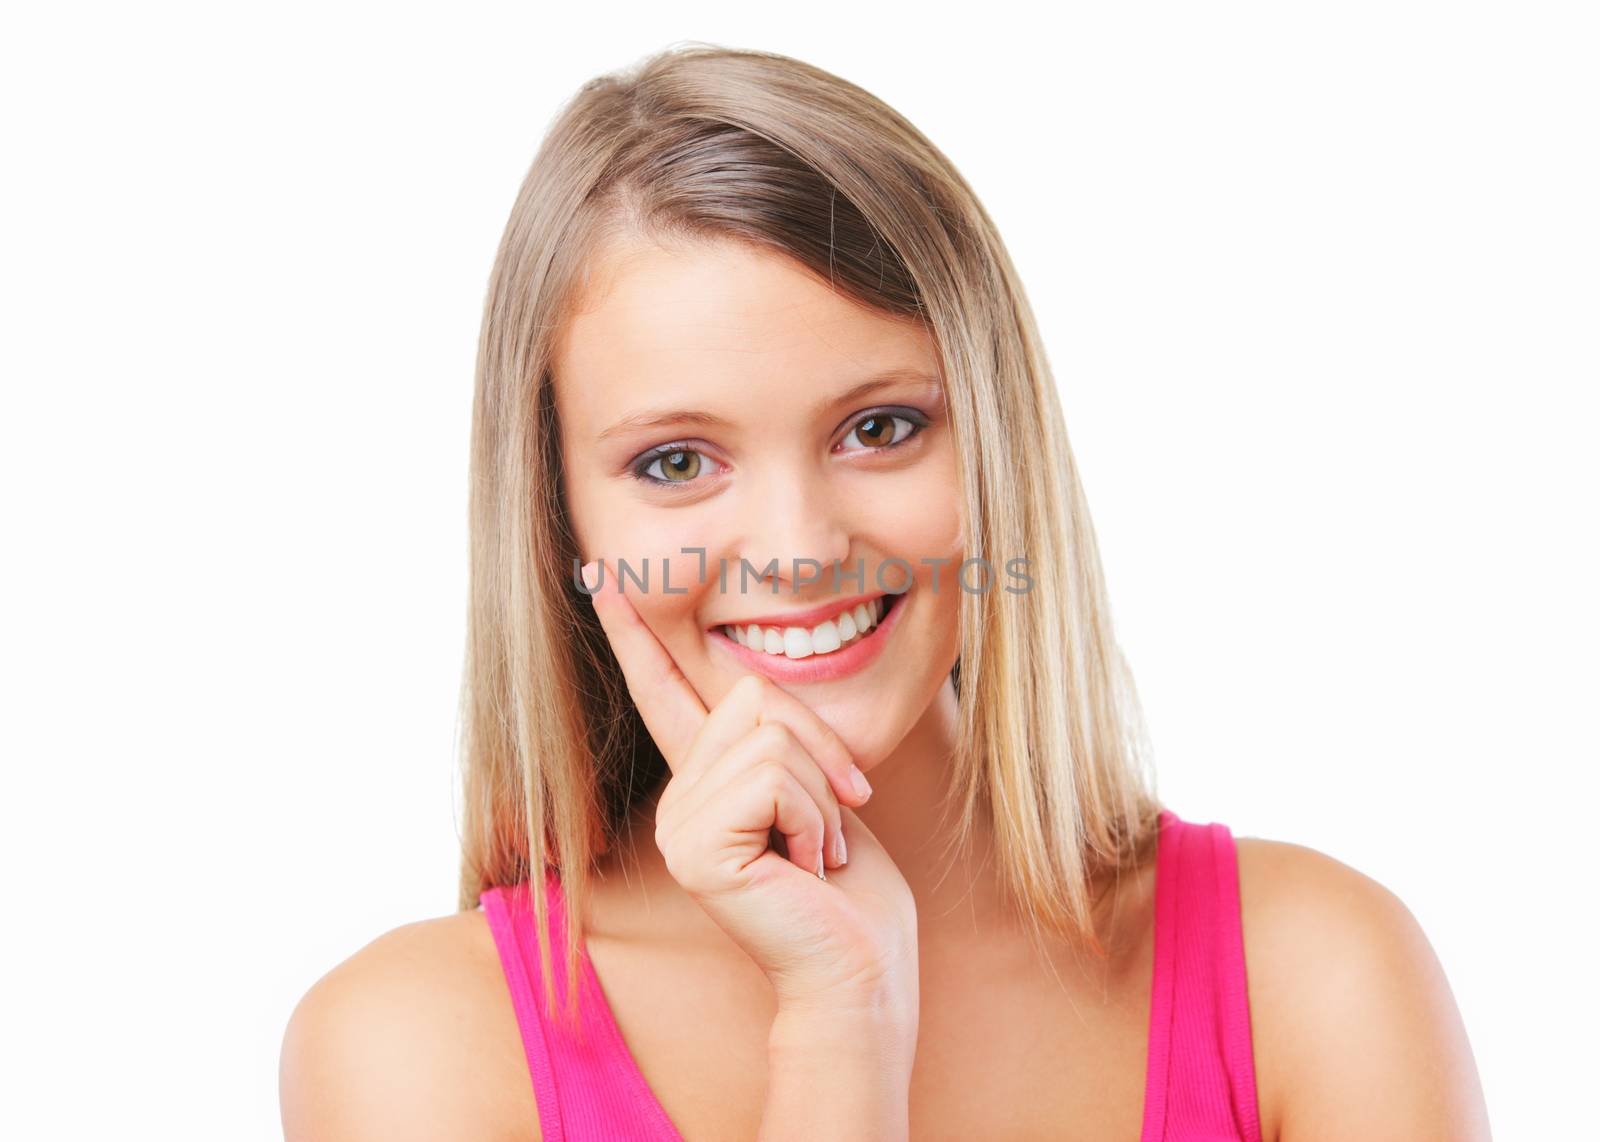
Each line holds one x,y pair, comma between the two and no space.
825,637
802,642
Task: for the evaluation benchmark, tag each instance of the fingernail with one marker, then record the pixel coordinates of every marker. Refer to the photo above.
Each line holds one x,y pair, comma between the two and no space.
820,871
591,574
859,781
838,848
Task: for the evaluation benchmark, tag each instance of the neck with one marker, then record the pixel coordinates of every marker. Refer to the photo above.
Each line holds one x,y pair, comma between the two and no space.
911,815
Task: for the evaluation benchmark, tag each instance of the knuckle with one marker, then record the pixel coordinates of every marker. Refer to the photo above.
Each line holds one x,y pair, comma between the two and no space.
772,739
667,803
675,867
771,775
675,857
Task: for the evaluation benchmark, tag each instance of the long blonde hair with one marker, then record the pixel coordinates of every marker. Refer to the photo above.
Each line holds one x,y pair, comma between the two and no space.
701,141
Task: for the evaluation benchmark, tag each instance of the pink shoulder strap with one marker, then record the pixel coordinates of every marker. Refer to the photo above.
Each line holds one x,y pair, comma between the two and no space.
1200,1081
587,1085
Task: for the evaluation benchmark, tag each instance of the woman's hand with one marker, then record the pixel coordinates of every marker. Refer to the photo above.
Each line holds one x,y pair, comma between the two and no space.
760,761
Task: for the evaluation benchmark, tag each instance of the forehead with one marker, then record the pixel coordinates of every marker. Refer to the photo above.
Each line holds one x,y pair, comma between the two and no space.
717,323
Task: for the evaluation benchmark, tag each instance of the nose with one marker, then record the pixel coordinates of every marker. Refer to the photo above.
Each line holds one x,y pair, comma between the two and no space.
798,521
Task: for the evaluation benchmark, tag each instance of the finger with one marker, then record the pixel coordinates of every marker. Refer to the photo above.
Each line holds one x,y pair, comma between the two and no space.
769,796
819,740
729,721
751,701
767,743
670,707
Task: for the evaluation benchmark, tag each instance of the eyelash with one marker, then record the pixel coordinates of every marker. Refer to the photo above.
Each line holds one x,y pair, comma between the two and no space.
916,419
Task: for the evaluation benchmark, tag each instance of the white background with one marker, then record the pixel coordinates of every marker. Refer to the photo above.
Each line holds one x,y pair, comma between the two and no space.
1320,287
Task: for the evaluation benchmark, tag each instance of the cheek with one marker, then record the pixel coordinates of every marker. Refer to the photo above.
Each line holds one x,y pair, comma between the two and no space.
672,618
926,500
660,537
935,532
611,523
654,542
921,524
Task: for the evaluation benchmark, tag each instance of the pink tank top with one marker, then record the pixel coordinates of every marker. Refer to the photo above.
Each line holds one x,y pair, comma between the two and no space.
1199,1077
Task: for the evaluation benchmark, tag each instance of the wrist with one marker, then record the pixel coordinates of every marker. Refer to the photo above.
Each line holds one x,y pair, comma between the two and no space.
876,1030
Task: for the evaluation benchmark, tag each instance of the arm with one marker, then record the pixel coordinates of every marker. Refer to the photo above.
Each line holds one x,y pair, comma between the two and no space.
1359,1036
843,1074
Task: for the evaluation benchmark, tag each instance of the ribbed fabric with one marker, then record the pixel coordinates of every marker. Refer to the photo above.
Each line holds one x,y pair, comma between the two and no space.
588,1091
1200,1083
1200,1073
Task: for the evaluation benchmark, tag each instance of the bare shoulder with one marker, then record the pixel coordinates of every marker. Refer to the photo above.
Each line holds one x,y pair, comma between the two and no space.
411,1037
1355,1029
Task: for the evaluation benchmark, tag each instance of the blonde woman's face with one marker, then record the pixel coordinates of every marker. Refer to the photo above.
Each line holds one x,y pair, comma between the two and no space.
718,398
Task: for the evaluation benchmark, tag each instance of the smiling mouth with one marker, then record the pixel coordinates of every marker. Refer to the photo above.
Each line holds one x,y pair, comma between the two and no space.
820,640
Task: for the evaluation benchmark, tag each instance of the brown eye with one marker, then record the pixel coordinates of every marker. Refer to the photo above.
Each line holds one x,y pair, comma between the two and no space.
677,467
672,465
881,430
876,431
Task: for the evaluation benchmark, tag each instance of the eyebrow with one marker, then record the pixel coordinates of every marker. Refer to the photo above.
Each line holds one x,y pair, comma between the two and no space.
661,418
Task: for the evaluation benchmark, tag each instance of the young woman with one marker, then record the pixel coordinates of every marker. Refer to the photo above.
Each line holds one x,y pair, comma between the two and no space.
818,808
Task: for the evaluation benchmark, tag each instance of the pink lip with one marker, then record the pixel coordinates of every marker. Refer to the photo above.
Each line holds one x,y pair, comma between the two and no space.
807,618
817,667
